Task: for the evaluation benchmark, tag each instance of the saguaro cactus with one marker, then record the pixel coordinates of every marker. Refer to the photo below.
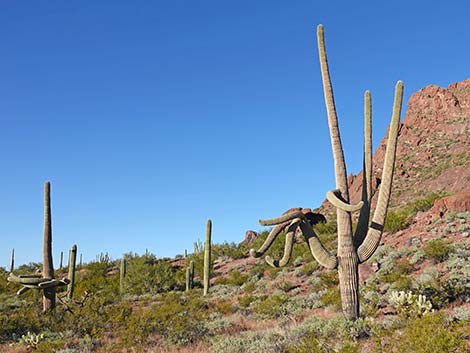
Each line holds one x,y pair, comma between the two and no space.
71,275
122,275
48,301
207,256
356,248
190,276
44,281
61,259
12,260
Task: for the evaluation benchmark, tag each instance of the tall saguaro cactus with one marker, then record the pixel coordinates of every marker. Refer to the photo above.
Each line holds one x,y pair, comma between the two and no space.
207,256
48,301
356,248
71,275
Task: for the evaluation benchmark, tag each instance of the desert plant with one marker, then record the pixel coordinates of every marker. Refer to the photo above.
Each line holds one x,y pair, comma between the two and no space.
207,257
408,304
12,260
352,249
71,275
45,281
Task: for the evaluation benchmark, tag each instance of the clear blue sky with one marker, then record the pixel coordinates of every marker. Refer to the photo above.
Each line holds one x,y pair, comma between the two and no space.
149,117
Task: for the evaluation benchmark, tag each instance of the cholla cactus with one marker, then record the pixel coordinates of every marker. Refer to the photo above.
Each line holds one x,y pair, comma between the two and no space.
353,247
410,305
31,339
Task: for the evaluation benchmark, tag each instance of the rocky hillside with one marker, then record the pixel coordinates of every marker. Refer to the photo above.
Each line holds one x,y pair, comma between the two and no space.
433,145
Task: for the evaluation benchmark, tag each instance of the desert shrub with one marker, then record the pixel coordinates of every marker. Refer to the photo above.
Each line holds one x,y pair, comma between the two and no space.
332,297
437,249
401,218
232,250
329,279
245,301
145,274
430,334
272,306
234,278
249,342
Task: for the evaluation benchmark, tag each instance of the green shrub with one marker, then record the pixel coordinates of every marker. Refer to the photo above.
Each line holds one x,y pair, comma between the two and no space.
401,218
234,278
332,298
437,249
430,334
272,306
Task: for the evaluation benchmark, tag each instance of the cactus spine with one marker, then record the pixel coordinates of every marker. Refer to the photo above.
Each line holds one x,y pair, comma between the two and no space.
71,275
356,248
48,302
12,260
122,274
207,256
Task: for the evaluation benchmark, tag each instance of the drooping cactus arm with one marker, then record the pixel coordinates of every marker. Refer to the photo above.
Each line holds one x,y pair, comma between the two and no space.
317,249
282,219
334,197
269,240
287,248
338,156
363,222
374,233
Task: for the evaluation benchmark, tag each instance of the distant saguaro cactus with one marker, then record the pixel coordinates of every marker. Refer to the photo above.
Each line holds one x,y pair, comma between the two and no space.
48,301
71,275
61,259
352,249
12,260
45,281
122,275
207,257
190,276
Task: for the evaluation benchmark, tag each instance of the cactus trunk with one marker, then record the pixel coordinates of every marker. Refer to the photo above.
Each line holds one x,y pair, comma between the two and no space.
61,259
207,257
12,260
48,302
122,275
71,275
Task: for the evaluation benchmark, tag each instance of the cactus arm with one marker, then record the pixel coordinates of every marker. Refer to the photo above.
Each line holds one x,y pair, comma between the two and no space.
372,240
269,240
27,280
363,222
317,249
287,248
338,156
22,290
282,219
334,197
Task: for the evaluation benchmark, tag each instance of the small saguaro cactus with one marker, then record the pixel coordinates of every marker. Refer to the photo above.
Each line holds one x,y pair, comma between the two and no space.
356,248
122,274
12,260
71,275
207,257
190,276
61,259
45,281
81,260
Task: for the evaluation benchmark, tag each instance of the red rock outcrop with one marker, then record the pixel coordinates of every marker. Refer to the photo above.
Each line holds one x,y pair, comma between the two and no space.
433,150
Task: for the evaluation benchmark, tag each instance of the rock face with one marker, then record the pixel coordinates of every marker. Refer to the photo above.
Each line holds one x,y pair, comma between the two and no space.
433,150
459,202
250,236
